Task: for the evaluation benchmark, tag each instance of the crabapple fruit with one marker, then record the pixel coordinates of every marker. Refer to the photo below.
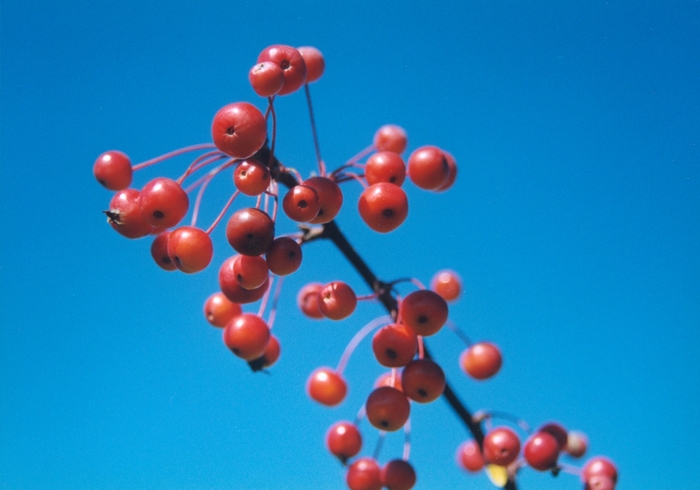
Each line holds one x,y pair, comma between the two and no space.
113,170
250,231
292,64
301,203
390,137
501,446
247,336
159,251
330,199
387,408
428,168
394,345
423,380
327,387
469,456
315,64
251,271
239,130
266,78
447,284
163,202
190,249
233,290
425,312
343,440
576,444
336,300
541,451
599,466
398,475
251,177
124,215
385,166
284,256
383,207
218,310
481,361
364,474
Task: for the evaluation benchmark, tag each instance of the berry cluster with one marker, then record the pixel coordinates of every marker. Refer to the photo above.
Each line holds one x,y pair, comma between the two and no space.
244,140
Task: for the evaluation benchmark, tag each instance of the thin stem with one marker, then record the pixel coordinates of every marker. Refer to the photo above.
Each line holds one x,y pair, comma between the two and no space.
380,443
462,336
275,299
362,154
265,297
205,182
421,347
153,161
222,213
407,440
200,162
321,165
361,334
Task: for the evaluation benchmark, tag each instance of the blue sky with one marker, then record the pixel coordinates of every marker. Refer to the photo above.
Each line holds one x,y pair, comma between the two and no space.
574,223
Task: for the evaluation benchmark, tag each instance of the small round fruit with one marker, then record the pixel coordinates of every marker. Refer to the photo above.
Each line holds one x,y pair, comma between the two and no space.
250,231
469,456
330,199
113,170
398,475
190,249
423,311
271,353
251,271
599,466
423,380
284,256
163,202
343,440
452,173
327,387
383,207
336,300
307,300
301,203
266,78
428,168
541,451
247,336
159,251
233,290
576,444
315,64
394,345
501,446
124,215
218,310
385,166
387,409
364,474
599,482
239,130
447,284
390,137
558,431
481,361
251,177
292,64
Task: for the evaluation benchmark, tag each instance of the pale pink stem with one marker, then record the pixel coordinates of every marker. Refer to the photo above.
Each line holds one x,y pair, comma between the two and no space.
258,202
462,336
321,164
205,182
367,297
361,334
201,161
407,440
360,415
569,468
148,163
421,347
223,211
417,283
209,175
263,304
340,178
380,443
362,154
347,165
275,299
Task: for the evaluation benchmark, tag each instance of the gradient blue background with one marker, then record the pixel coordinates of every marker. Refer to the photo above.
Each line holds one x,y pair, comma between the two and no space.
574,224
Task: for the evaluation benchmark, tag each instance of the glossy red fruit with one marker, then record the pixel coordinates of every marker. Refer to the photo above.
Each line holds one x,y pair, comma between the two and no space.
387,408
301,203
576,444
271,353
159,251
364,474
428,168
423,380
307,300
383,207
452,172
599,482
250,271
599,466
266,78
326,387
501,446
330,199
481,361
425,312
113,170
394,345
558,431
398,475
239,130
233,290
284,256
163,203
385,166
469,456
336,300
219,310
447,284
387,379
541,451
343,440
315,64
251,177
190,249
124,215
292,64
247,336
250,231
390,137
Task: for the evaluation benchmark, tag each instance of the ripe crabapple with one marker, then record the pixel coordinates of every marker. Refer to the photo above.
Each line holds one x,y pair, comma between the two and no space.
447,284
336,300
555,429
394,345
326,386
239,130
292,64
113,170
218,310
576,444
159,251
233,290
330,199
387,409
501,446
423,380
390,137
541,451
301,203
599,482
266,78
599,466
385,166
190,249
269,355
251,177
452,173
383,207
163,202
469,456
250,231
428,168
364,474
284,256
423,311
124,215
343,440
398,475
247,336
315,64
307,299
481,361
251,271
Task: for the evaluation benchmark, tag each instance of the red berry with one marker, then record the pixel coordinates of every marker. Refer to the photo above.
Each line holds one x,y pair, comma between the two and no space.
501,446
398,475
250,271
266,78
576,444
284,256
336,300
452,173
159,251
423,380
423,311
190,249
541,451
447,284
218,310
307,299
301,203
233,290
239,129
124,215
383,207
385,166
343,440
481,361
315,64
292,64
387,408
271,353
555,429
326,387
364,474
247,336
390,138
113,170
599,466
250,231
469,456
394,345
163,202
428,168
599,482
251,177
330,199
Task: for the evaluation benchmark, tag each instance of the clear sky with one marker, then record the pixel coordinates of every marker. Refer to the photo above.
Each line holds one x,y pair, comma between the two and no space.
574,223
